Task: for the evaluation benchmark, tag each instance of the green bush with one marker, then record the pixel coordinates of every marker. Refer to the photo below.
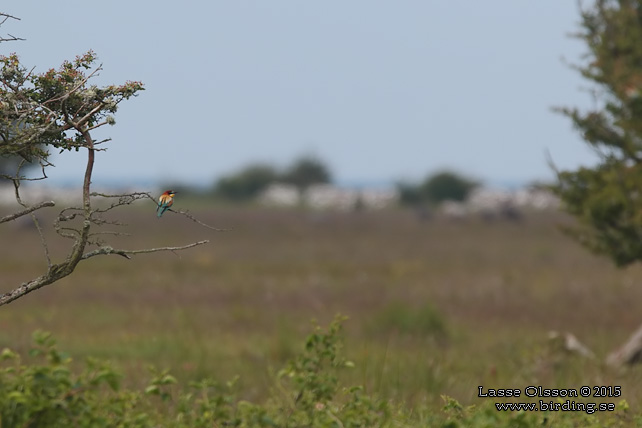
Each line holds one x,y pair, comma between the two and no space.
424,321
246,184
306,171
447,186
436,188
44,391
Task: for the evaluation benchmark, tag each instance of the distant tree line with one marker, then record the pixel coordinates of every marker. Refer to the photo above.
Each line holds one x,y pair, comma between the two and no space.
436,188
251,180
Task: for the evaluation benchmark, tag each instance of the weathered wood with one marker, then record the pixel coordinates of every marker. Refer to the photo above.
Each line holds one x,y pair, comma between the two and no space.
628,354
26,211
569,343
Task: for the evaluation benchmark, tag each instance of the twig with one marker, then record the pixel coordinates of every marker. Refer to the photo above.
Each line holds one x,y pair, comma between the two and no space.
189,216
195,220
551,162
3,18
6,16
10,38
123,199
126,253
42,239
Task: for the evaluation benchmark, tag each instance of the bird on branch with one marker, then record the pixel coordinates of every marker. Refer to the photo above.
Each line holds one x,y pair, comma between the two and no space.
165,201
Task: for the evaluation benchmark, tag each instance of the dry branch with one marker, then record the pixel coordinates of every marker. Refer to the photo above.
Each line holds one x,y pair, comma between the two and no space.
3,18
195,220
29,210
106,250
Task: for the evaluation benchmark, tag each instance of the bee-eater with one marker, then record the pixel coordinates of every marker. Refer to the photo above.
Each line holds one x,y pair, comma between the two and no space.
165,201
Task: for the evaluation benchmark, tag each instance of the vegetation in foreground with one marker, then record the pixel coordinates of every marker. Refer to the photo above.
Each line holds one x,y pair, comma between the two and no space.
45,392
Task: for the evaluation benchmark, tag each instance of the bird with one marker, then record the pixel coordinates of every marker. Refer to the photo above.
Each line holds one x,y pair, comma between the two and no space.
165,201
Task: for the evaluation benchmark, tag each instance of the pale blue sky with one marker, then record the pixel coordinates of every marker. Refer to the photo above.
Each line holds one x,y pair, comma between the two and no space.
380,90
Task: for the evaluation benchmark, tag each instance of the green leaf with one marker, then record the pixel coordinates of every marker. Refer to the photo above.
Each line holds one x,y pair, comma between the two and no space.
8,354
152,390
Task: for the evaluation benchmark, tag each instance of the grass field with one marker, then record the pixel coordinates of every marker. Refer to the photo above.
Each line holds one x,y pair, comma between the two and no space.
435,307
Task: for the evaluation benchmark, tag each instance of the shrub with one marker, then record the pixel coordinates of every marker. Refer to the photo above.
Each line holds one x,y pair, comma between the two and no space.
45,392
422,321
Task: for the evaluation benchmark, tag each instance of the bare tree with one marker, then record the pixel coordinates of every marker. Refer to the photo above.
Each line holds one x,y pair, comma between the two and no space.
59,110
9,38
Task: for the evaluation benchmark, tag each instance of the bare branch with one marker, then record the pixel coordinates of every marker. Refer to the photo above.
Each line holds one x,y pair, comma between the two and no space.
182,212
98,126
62,217
23,178
16,185
126,253
195,220
3,18
28,287
27,211
110,232
10,38
101,142
123,199
42,239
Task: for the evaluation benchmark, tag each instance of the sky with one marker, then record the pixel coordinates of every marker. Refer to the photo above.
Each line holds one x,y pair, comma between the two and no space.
380,91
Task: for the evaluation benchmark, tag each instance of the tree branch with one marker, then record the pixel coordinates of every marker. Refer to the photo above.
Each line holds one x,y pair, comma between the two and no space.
3,18
195,220
28,287
27,211
75,88
64,121
10,38
81,241
43,240
106,250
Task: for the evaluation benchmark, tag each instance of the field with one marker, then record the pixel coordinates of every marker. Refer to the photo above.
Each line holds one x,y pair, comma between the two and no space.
434,307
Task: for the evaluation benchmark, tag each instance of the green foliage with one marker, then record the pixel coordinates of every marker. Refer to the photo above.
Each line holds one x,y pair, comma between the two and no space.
39,111
447,186
424,321
305,172
45,391
487,415
250,181
49,394
436,188
410,193
311,387
606,199
246,184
